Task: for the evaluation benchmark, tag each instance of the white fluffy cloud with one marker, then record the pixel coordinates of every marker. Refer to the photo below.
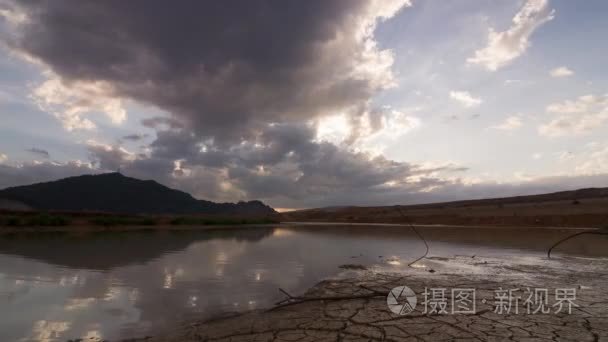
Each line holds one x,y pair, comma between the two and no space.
70,102
561,72
509,124
3,157
576,117
371,130
465,98
503,47
594,160
11,15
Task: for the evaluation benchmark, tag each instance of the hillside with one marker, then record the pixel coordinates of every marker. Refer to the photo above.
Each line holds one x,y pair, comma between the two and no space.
116,193
582,208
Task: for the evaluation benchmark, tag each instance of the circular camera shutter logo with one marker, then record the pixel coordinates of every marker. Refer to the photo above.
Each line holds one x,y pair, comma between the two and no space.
401,300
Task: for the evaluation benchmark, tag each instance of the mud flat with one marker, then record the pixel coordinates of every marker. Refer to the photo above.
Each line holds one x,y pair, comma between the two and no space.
353,306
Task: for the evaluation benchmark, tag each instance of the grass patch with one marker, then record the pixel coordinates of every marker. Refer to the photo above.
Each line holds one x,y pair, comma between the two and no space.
45,220
12,222
194,221
122,221
54,220
39,220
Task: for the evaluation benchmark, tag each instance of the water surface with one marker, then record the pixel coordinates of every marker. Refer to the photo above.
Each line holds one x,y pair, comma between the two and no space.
55,287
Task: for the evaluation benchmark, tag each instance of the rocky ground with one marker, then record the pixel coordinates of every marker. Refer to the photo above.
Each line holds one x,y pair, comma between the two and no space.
354,307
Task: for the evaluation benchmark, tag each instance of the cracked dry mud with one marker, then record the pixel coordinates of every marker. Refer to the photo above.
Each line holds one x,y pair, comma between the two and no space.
364,315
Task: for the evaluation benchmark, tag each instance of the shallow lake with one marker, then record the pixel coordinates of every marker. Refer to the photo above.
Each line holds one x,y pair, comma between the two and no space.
55,287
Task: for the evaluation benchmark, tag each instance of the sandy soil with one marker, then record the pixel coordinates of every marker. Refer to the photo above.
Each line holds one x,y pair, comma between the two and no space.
353,307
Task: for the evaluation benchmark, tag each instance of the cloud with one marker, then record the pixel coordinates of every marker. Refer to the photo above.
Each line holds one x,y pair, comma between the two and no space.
3,158
39,152
162,123
211,67
594,160
509,124
510,82
465,98
34,172
576,117
135,137
294,178
242,110
107,157
564,156
363,132
283,165
11,15
71,101
561,72
504,47
582,104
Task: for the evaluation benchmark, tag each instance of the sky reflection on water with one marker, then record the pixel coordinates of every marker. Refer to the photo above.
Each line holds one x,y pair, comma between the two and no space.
56,287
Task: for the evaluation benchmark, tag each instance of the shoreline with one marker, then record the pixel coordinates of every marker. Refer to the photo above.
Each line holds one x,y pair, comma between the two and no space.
379,224
8,230
352,306
127,228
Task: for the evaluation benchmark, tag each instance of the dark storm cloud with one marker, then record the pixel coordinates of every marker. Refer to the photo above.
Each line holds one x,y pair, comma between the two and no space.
134,137
240,81
160,122
39,152
221,67
282,165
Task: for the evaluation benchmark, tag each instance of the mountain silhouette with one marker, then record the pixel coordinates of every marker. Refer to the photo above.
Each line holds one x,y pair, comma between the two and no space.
116,193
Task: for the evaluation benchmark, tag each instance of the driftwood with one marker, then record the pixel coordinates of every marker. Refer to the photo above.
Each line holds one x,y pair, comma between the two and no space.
292,300
573,236
417,233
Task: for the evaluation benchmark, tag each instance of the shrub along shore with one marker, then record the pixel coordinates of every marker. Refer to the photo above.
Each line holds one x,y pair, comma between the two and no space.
14,221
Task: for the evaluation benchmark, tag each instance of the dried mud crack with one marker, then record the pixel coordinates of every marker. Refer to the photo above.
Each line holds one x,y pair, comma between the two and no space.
354,308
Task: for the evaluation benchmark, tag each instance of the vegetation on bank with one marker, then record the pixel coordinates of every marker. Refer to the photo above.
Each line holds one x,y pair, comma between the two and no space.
44,220
107,220
176,221
194,221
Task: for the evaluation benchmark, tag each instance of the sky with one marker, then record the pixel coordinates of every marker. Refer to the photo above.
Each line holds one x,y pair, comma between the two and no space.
308,103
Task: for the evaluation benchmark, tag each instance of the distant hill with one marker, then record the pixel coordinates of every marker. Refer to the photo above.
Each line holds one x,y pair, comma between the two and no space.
116,193
577,208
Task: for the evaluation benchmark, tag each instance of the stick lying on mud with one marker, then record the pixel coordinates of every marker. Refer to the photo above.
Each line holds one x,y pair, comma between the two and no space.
425,244
573,236
289,297
301,299
417,233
